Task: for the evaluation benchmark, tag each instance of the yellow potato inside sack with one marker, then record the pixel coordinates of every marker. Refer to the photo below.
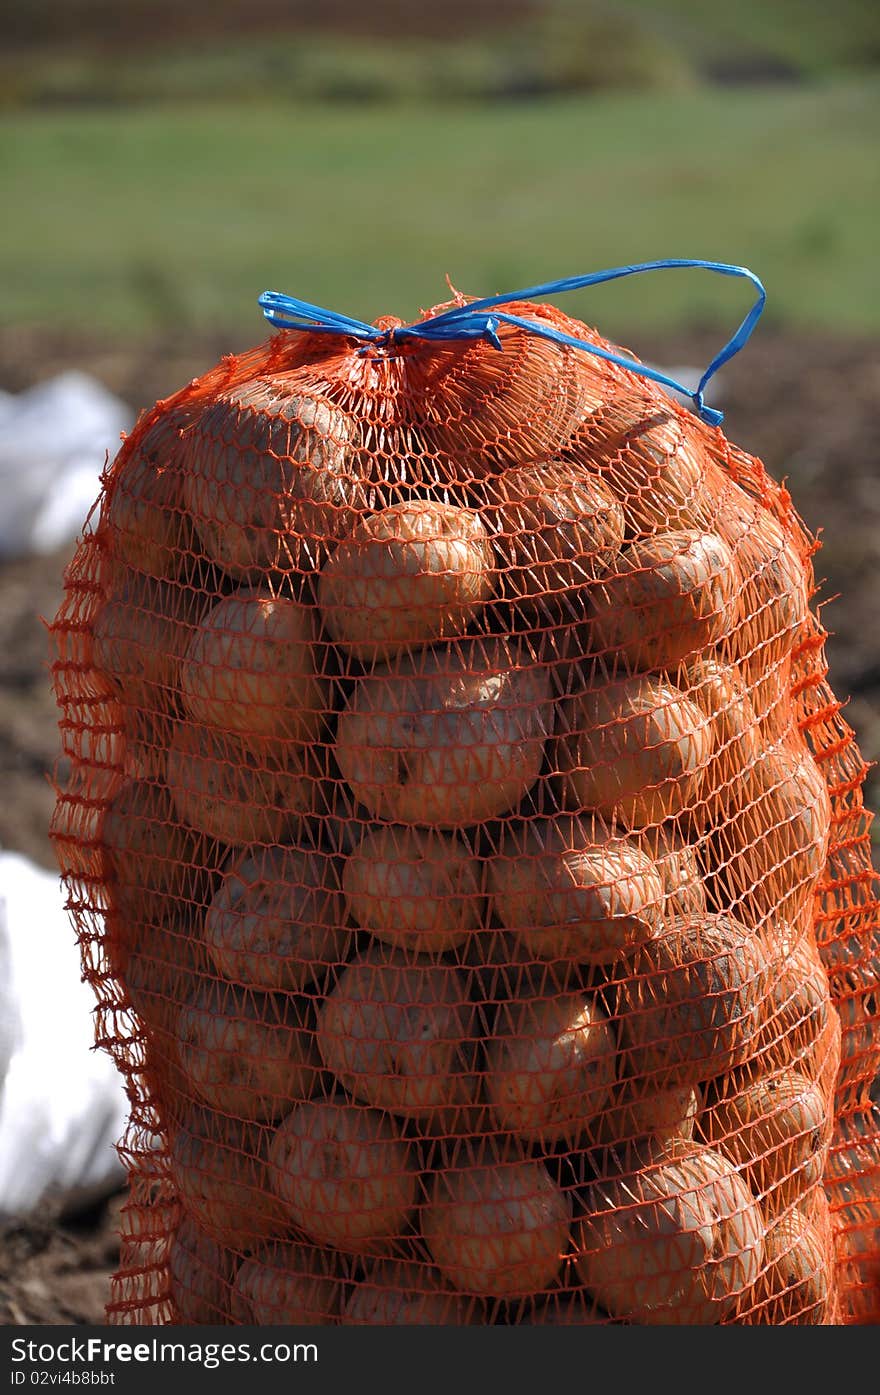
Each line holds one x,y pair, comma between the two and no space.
495,1222
638,1111
556,528
401,1293
288,1283
405,577
200,1274
670,596
218,1167
418,889
569,888
689,1001
140,631
148,528
634,749
795,1285
398,1032
674,1242
250,667
278,919
449,736
551,1065
678,863
345,1175
250,1054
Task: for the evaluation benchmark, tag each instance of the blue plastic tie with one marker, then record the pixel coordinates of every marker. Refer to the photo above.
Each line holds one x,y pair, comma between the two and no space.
475,320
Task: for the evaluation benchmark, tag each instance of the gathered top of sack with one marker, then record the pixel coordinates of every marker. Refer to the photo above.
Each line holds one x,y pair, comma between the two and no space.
467,850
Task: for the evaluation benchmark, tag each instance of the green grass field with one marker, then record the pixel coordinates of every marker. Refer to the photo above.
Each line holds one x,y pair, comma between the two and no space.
180,215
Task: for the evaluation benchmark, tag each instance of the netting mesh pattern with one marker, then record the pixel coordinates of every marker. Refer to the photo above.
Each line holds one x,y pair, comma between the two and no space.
468,854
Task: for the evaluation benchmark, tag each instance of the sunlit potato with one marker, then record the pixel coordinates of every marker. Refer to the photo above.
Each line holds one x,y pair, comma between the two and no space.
406,577
345,1175
569,888
447,737
418,889
674,1242
795,1287
147,525
278,920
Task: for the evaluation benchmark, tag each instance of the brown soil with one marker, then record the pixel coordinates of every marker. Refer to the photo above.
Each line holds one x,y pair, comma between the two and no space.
807,406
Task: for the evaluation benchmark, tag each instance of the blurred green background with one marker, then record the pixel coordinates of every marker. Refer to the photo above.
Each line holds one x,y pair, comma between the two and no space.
164,163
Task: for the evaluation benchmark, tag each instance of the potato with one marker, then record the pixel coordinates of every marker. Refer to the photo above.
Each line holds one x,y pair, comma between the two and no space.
774,606
570,889
161,967
498,1229
397,1293
140,631
795,1287
345,1175
147,526
776,1130
636,752
556,528
157,869
477,409
797,1010
218,1166
718,689
646,453
500,966
672,1243
450,737
278,920
679,867
238,793
671,595
200,1276
248,1054
269,478
690,1008
251,668
290,1285
404,577
415,888
550,1067
641,1112
398,1032
769,846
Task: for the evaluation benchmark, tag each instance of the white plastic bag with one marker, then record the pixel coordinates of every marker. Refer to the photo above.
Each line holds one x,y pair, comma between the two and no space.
62,1103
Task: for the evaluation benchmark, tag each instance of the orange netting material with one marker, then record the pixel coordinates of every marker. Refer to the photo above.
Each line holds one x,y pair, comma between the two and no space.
468,853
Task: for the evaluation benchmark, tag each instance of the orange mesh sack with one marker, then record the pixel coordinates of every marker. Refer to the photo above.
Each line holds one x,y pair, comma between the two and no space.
466,849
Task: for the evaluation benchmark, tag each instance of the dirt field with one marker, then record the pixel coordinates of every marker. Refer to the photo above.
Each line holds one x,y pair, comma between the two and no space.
808,407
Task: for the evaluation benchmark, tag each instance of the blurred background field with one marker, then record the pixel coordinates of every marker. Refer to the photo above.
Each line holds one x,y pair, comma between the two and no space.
163,163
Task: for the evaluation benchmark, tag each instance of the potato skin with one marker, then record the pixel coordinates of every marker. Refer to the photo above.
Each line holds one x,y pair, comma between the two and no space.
398,1032
250,667
269,478
795,1287
248,1054
449,736
775,1129
718,688
770,842
671,1243
200,1274
499,1231
289,1284
568,888
148,528
550,1067
556,528
218,1166
417,889
139,633
278,920
406,577
671,595
641,1112
690,1000
345,1175
635,750
158,870
678,864
397,1293
237,793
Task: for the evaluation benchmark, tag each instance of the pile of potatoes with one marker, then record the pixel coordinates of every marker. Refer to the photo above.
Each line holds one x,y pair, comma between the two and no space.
458,864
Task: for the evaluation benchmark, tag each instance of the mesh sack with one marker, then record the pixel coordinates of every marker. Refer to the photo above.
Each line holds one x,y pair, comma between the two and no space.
467,851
